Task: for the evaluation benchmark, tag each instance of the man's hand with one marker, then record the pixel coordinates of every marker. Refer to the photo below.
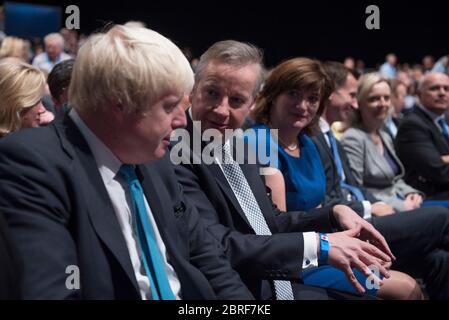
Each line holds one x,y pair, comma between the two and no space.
379,209
445,159
348,219
347,252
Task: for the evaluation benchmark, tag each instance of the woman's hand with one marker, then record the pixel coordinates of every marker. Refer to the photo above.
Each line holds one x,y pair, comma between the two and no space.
413,201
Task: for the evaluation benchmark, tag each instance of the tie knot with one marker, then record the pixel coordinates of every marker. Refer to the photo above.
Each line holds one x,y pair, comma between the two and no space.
442,122
128,172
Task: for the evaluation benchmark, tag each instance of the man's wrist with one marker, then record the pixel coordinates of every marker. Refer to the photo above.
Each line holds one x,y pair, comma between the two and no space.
323,248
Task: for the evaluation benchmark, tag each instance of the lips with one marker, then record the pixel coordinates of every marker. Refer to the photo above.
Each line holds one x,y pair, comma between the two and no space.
219,126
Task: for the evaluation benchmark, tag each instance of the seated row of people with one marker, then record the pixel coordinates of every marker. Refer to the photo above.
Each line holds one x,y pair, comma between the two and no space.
97,189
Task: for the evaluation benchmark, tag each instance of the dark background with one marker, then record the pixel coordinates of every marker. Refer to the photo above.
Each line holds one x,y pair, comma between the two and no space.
283,29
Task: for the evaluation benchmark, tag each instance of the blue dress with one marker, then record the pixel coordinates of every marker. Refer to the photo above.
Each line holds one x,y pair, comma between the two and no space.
305,185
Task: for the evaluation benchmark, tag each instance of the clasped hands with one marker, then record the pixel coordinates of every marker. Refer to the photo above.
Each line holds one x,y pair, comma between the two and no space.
360,246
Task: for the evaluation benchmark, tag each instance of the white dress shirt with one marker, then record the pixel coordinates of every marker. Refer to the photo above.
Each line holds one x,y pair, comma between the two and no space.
109,166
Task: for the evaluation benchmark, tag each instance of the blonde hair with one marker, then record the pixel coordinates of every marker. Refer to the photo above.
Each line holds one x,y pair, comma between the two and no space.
366,83
12,47
130,66
21,86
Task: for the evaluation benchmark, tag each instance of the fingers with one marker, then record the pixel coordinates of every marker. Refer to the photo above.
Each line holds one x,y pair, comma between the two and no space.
378,240
375,252
353,280
354,232
373,262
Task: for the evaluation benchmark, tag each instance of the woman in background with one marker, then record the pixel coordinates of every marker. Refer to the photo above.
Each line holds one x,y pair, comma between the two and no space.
22,87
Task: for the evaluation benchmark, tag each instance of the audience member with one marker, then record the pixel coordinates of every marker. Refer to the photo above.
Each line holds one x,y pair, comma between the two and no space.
96,193
58,82
408,233
388,69
423,138
261,242
54,46
21,89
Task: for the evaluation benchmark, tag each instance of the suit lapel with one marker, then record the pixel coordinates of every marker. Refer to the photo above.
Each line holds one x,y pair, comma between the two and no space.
376,159
437,134
98,203
222,182
389,145
153,196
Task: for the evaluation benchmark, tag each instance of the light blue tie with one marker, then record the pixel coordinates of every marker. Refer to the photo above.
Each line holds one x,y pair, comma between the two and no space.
445,127
151,257
337,160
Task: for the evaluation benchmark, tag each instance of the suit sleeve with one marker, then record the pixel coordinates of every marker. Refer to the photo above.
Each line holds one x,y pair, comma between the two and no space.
416,150
208,256
34,205
252,254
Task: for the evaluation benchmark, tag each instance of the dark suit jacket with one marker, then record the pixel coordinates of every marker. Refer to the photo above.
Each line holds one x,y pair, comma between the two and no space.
420,145
334,193
255,257
60,214
10,265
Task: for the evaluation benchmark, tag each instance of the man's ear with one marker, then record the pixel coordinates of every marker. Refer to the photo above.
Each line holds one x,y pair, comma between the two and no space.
117,110
330,97
191,95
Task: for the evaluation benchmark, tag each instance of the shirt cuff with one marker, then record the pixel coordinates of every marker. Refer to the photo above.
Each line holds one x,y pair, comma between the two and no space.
366,209
310,258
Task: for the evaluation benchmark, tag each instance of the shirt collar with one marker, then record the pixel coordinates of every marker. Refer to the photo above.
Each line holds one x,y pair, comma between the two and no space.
324,126
108,164
435,117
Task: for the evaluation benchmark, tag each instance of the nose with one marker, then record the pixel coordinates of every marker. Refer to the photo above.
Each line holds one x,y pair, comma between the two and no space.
40,108
443,91
354,103
383,102
222,110
179,118
302,104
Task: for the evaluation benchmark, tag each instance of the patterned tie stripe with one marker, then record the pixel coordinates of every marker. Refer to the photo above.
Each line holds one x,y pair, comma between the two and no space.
248,202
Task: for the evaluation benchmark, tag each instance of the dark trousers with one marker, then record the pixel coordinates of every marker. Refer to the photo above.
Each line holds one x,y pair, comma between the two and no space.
420,241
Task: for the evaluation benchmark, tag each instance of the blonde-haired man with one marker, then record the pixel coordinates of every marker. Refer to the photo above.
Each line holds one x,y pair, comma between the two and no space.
95,208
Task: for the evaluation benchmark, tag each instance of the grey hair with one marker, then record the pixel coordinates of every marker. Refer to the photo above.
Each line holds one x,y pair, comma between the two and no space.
233,53
424,79
56,36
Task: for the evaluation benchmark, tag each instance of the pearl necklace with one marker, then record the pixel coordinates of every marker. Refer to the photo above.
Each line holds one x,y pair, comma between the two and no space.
289,147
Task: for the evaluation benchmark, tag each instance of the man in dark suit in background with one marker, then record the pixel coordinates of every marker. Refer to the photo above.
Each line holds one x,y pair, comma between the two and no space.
93,204
418,238
261,242
422,142
58,83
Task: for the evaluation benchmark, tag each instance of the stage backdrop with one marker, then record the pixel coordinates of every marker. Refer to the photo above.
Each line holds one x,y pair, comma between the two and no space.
29,20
